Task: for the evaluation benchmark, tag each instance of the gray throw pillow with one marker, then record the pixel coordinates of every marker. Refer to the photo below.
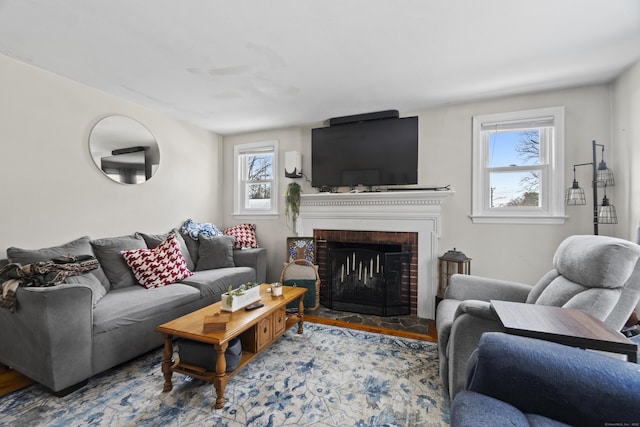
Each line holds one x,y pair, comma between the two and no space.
192,245
81,246
215,252
108,252
92,282
153,240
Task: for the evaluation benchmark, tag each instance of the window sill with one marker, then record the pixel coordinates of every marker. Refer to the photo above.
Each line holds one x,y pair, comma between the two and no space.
244,216
517,219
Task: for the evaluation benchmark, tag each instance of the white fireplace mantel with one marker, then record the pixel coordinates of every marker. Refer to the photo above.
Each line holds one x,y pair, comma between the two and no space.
400,211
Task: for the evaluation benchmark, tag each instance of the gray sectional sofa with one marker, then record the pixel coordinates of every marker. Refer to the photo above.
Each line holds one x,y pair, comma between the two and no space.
62,335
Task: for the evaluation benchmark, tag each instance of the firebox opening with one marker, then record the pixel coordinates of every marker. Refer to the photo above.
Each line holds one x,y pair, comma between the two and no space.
368,278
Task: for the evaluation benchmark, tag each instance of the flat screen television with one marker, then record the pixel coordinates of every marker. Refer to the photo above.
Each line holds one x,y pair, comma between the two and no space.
366,153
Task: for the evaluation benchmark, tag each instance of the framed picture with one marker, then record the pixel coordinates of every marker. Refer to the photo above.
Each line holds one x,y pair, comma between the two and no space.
301,248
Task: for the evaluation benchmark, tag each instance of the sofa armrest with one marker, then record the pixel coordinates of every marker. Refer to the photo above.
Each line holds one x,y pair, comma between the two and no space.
464,287
48,337
563,383
255,258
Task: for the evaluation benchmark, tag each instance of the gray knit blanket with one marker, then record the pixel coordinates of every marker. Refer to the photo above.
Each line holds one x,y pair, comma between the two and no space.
40,274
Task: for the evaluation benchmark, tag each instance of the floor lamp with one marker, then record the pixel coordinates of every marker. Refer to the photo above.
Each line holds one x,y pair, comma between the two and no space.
605,213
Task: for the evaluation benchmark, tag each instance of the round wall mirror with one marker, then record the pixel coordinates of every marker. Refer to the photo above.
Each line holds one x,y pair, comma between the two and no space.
124,149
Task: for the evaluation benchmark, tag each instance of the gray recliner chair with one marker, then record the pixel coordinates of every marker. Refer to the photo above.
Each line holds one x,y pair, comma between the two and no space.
597,274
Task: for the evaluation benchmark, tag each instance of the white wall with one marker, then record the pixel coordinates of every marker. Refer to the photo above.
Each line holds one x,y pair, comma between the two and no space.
626,134
271,233
52,191
513,252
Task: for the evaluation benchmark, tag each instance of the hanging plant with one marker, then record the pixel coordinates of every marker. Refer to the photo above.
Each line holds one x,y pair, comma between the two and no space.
292,203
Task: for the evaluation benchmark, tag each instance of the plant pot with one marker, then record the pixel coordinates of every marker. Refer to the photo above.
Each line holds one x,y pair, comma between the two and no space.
249,296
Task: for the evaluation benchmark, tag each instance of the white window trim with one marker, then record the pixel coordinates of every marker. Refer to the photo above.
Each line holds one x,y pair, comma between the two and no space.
552,210
239,211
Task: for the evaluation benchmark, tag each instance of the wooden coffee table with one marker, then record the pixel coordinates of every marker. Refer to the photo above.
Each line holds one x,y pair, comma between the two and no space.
256,328
566,326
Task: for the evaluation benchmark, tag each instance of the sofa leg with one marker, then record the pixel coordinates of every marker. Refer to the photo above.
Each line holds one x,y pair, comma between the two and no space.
71,389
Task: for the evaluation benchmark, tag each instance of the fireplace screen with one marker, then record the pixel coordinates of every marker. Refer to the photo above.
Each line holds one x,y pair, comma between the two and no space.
368,278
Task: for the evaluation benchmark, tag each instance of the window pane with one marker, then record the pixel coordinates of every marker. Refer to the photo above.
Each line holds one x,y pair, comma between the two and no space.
514,189
514,148
258,196
259,167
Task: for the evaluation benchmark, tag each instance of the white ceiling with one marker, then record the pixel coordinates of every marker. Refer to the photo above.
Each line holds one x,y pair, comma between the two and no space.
244,65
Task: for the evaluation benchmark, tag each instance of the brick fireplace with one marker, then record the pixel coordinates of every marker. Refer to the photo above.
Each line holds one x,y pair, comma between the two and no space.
406,284
393,216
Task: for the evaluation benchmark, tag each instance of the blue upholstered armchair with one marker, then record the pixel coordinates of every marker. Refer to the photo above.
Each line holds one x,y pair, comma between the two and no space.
597,274
517,381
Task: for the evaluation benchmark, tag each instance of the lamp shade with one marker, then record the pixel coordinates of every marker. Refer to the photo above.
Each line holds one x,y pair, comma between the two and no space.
575,195
607,213
604,176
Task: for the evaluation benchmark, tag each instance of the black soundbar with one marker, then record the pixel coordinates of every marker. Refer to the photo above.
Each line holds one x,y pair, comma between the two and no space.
378,115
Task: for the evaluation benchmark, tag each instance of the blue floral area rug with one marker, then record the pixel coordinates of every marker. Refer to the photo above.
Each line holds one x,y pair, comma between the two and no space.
328,376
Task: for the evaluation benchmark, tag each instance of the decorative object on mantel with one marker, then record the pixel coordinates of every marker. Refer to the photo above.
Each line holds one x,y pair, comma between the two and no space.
292,164
602,177
452,262
292,203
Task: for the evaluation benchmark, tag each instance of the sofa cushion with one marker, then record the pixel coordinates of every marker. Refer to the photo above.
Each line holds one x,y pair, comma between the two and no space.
92,282
215,252
193,246
153,240
81,246
126,306
108,252
470,409
158,266
245,235
213,283
595,262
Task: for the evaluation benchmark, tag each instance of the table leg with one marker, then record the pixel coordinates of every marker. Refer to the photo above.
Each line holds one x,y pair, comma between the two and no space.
167,362
300,315
220,379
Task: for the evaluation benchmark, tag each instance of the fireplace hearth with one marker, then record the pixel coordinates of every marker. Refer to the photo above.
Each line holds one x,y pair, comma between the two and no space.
368,278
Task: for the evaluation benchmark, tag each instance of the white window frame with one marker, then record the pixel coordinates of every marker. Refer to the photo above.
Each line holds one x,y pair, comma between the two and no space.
551,190
240,209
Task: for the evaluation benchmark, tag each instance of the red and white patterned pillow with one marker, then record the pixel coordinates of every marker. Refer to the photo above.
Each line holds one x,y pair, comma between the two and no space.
245,235
158,266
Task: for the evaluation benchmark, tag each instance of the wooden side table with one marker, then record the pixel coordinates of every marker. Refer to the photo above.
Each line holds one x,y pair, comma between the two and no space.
566,326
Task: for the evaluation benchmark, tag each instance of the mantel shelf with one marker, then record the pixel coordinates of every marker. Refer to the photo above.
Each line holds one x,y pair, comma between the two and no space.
377,198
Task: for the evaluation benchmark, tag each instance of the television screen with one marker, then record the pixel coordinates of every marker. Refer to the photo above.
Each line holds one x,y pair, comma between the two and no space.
367,153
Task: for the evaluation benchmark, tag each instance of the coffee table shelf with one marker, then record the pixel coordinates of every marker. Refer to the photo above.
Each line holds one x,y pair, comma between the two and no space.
257,329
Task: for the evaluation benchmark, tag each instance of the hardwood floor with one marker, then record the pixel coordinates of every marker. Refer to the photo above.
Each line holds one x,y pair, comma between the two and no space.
11,380
376,329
